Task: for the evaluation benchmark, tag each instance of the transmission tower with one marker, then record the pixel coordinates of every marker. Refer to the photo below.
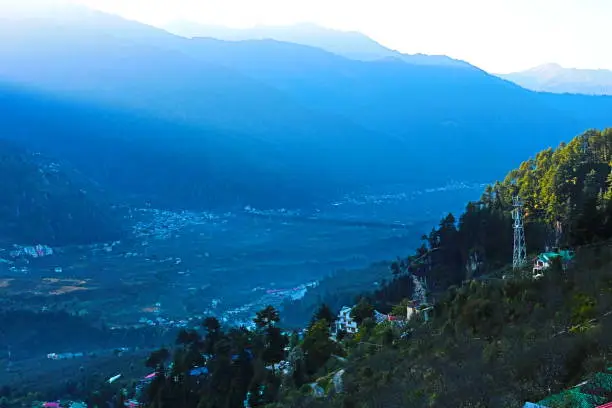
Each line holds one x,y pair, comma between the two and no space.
519,255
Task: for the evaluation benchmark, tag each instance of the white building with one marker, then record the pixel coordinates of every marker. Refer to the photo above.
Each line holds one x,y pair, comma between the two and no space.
410,312
345,322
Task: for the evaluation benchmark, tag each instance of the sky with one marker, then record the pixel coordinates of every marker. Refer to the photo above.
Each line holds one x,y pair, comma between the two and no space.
499,36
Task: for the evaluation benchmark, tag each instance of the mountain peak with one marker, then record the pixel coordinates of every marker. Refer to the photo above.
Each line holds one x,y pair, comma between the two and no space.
551,66
553,77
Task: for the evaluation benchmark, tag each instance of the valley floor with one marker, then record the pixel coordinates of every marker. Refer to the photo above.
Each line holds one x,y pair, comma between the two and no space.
176,268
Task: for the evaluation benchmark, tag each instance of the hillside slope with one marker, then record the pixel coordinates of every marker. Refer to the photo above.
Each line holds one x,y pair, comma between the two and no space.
497,336
43,201
488,344
142,158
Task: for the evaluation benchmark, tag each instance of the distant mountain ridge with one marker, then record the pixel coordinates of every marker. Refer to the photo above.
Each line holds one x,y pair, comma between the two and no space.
206,122
557,79
350,44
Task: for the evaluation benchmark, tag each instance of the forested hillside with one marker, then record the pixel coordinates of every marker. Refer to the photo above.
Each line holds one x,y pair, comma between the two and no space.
500,342
43,201
492,343
566,193
505,340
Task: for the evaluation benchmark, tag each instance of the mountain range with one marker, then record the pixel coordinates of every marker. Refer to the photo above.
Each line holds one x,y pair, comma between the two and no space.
557,79
355,45
202,122
349,44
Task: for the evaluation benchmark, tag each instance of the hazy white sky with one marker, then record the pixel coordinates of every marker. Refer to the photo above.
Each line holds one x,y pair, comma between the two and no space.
497,35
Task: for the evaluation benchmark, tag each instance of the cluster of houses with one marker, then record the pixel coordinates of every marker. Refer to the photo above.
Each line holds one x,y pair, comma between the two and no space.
419,306
64,356
60,404
345,323
36,251
164,224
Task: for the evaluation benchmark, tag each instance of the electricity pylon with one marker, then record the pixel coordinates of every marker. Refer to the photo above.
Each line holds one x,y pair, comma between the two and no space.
519,255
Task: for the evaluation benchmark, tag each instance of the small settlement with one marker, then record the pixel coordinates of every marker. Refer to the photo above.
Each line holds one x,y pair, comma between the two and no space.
345,323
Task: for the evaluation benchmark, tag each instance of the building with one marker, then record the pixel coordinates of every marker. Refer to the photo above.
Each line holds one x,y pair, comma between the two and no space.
545,260
63,356
345,322
410,312
380,317
593,393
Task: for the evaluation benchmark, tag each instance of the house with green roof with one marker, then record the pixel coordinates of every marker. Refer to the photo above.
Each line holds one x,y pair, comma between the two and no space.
545,260
593,393
573,398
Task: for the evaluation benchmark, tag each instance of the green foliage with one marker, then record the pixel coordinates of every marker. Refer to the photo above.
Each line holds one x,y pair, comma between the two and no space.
567,196
235,361
361,311
566,187
583,309
318,347
324,313
267,317
495,343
